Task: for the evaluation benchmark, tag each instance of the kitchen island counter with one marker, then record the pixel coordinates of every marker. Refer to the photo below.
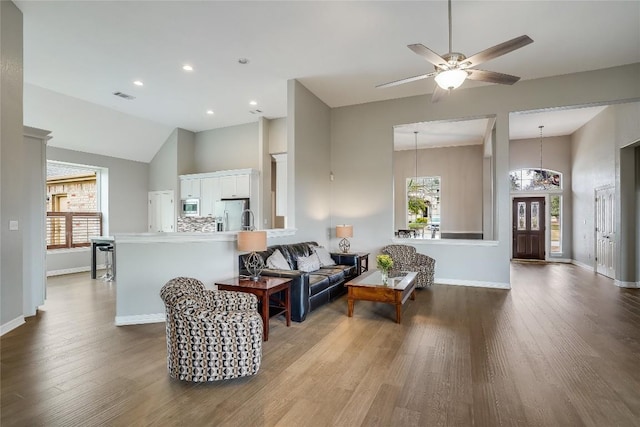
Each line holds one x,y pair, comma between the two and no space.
146,261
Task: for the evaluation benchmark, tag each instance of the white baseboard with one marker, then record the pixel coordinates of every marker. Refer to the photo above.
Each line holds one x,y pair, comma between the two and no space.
582,265
474,283
140,319
73,270
11,325
621,284
561,260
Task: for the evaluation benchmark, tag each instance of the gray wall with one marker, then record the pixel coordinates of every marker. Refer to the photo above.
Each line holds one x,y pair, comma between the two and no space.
175,157
233,147
11,161
278,135
263,212
146,266
460,170
186,147
556,155
593,158
362,160
163,168
33,220
636,214
602,155
309,140
626,137
127,212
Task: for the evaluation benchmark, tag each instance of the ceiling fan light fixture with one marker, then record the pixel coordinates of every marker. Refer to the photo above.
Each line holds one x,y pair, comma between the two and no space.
451,79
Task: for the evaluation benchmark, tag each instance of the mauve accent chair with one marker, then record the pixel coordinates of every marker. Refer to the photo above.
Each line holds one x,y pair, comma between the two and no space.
406,258
211,335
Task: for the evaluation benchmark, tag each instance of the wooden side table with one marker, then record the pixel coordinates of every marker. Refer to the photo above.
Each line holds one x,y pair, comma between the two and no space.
264,290
361,260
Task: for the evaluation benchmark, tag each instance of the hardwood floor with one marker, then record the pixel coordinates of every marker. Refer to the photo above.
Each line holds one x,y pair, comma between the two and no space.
562,348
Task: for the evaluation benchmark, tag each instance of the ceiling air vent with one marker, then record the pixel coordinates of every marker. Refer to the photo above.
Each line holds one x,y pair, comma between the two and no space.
124,95
256,111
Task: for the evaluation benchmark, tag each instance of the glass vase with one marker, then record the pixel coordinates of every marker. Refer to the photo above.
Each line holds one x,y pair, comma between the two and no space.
385,276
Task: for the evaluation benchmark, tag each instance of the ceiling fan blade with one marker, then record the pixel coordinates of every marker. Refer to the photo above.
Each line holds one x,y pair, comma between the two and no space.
407,80
491,77
497,50
428,54
438,93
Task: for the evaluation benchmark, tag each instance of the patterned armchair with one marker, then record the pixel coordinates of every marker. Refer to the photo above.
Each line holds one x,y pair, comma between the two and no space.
211,335
405,258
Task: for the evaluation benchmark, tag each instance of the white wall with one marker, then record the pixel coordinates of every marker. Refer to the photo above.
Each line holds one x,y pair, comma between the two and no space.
556,155
460,170
128,190
11,160
361,153
233,147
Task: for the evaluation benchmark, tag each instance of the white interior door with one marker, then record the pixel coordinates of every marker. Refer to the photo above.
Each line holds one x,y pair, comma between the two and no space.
605,232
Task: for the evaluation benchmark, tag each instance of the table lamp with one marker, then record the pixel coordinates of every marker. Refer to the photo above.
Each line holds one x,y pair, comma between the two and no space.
253,241
344,231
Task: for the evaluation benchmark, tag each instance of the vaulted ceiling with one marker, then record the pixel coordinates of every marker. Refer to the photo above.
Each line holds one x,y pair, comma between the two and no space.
78,53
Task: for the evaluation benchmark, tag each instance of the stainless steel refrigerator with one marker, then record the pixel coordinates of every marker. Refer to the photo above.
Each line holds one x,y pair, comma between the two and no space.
233,213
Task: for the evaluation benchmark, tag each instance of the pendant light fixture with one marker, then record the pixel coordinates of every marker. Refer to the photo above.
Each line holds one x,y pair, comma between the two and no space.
415,190
543,179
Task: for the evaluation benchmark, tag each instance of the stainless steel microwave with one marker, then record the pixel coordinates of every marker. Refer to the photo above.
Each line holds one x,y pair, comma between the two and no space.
191,207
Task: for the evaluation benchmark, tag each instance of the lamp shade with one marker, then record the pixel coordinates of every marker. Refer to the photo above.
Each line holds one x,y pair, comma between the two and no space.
451,79
344,230
252,241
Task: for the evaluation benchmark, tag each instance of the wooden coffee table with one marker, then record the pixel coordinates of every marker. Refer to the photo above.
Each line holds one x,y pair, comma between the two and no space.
264,289
369,287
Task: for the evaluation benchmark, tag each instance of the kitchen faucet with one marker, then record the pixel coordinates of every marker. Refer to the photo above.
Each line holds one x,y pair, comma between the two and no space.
250,226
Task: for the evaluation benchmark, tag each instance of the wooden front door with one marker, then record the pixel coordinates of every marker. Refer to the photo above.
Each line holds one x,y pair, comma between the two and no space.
528,227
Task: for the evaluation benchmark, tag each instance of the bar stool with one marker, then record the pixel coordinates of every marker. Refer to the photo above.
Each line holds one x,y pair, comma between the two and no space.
107,249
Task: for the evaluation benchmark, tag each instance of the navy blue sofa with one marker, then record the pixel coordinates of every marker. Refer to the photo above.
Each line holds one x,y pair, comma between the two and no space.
309,290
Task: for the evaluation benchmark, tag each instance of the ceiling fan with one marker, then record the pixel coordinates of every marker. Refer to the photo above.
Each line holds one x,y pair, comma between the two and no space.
451,69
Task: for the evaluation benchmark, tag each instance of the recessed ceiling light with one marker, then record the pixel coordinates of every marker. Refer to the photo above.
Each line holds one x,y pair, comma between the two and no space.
210,112
253,102
187,67
138,83
243,61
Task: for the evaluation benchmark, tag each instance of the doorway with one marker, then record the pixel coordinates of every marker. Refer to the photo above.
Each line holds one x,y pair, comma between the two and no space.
605,232
528,228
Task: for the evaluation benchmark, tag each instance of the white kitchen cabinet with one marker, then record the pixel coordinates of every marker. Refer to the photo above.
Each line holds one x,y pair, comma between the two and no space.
190,188
235,186
209,195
